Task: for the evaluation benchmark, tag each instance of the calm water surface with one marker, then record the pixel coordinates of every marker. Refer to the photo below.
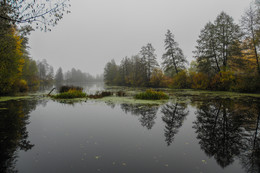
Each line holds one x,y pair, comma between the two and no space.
199,136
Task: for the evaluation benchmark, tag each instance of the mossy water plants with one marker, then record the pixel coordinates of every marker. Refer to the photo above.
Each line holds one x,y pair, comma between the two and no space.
70,94
151,94
99,95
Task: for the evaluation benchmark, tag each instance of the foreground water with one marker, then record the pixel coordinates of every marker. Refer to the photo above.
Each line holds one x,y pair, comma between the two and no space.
216,135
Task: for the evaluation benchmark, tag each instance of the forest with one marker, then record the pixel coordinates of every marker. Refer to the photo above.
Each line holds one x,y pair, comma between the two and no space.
19,71
226,58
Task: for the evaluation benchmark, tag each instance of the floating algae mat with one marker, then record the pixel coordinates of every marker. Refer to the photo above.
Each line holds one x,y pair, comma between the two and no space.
7,98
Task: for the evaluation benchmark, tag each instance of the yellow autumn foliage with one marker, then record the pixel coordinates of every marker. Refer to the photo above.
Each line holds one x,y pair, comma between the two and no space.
12,60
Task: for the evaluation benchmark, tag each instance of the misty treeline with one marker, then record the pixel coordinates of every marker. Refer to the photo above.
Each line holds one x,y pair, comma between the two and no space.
18,71
75,76
226,59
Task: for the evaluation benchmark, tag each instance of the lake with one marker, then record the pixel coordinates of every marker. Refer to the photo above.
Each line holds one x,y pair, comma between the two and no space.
193,135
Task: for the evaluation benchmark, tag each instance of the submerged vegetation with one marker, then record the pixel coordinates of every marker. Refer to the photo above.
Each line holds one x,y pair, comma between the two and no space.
151,95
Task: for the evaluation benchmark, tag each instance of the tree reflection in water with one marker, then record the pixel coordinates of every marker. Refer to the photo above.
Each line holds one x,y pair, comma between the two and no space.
174,115
250,150
147,113
14,135
228,129
219,131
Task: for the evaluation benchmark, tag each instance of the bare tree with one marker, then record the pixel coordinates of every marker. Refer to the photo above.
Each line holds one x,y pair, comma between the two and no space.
43,13
251,26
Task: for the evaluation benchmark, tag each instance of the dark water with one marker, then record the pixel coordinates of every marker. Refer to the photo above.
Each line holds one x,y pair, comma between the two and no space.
40,136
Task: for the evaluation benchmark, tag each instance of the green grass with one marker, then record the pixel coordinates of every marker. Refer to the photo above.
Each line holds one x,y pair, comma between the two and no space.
151,95
71,94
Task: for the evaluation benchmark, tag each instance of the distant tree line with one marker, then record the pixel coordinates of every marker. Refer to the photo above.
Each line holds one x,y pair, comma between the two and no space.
75,76
226,59
141,69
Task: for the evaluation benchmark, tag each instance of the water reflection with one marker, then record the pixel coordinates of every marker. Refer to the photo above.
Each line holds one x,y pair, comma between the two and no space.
218,131
227,130
147,113
173,116
14,135
250,151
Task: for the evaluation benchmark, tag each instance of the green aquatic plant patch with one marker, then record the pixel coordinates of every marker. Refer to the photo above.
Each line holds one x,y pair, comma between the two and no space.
150,94
66,88
70,95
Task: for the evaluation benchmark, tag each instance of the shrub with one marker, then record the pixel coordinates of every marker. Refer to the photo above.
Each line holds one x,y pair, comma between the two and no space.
223,81
158,79
181,80
65,88
22,86
247,83
199,80
70,94
151,95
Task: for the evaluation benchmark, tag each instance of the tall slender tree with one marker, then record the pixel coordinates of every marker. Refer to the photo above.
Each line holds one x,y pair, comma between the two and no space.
59,76
111,73
173,58
149,60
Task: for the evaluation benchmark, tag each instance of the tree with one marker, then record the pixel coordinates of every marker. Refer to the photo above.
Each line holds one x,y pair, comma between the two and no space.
30,74
173,58
125,70
251,26
218,43
111,73
206,53
228,35
43,13
148,58
45,72
158,78
59,76
11,61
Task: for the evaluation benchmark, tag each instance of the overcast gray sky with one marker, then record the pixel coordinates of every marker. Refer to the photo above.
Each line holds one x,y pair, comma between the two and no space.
100,30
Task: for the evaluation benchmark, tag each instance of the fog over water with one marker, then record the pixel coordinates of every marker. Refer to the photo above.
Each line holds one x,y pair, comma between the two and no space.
100,30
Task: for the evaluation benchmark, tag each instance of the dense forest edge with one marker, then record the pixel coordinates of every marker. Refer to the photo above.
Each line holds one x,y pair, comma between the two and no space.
226,59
